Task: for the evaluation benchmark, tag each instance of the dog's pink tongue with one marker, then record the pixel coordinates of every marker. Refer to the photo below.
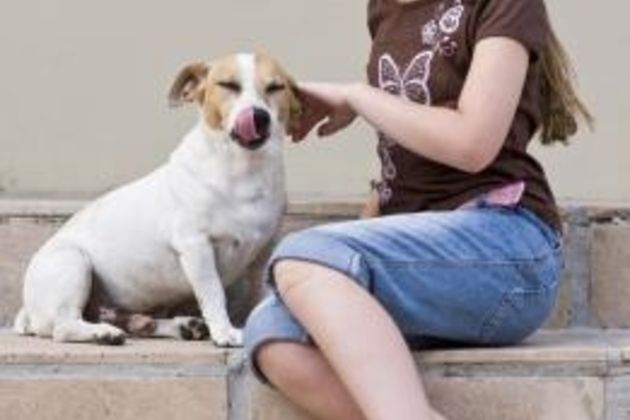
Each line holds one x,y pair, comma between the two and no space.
246,126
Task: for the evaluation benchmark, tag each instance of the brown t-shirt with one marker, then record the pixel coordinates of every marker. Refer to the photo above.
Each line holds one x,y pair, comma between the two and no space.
422,50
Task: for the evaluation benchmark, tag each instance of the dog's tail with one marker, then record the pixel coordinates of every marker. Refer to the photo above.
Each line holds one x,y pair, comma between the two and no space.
21,324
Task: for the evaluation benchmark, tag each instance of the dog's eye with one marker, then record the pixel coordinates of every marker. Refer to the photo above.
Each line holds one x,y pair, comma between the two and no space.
230,85
274,87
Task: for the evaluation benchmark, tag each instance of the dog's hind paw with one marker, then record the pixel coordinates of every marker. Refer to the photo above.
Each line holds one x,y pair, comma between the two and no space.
192,329
139,325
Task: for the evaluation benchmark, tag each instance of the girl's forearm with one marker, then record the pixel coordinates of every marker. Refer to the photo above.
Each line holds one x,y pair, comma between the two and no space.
441,134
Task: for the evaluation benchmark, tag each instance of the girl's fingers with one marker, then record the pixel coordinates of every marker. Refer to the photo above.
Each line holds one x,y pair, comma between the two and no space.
311,118
321,102
336,123
332,126
297,136
326,129
304,127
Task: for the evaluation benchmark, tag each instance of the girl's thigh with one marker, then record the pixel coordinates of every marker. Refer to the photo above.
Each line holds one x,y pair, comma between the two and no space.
480,276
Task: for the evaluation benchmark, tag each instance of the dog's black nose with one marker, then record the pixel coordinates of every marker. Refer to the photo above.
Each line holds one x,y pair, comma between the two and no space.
262,121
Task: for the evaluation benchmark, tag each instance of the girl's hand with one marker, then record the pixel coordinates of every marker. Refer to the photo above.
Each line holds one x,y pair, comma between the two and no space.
326,102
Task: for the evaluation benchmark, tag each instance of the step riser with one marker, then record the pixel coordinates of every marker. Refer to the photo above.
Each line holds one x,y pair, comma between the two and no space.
594,291
207,399
503,398
115,398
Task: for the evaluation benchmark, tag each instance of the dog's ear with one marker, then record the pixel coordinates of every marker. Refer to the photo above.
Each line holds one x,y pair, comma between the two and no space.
188,85
296,109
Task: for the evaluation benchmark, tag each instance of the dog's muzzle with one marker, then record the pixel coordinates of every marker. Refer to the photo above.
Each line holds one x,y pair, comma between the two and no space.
252,127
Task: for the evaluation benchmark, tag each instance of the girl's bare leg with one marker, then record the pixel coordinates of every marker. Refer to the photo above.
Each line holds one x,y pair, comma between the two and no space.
302,374
363,346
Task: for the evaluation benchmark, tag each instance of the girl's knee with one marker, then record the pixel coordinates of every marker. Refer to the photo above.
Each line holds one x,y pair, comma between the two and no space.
285,365
311,253
289,273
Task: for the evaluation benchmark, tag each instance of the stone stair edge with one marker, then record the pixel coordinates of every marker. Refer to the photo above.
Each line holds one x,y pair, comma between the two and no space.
322,206
36,207
27,350
545,348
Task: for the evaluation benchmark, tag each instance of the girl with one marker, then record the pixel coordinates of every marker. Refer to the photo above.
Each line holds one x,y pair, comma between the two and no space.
468,250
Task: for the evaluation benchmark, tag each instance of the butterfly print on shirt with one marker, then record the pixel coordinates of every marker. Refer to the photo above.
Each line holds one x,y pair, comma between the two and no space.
413,82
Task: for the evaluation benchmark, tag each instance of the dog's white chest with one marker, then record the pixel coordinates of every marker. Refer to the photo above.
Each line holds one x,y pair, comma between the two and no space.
237,205
243,226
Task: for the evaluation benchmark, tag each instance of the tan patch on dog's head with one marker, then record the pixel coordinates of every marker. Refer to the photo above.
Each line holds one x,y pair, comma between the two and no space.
201,83
218,98
215,87
276,85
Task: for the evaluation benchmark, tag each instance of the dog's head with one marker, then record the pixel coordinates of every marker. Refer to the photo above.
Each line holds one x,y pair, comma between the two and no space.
248,96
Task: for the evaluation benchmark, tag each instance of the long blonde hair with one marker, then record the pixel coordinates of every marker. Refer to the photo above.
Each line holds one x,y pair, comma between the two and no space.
561,107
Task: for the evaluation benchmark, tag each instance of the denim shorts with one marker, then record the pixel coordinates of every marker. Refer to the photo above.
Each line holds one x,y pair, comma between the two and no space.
479,276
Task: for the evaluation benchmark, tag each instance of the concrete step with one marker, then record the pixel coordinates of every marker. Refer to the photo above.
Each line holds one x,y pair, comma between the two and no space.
594,293
572,375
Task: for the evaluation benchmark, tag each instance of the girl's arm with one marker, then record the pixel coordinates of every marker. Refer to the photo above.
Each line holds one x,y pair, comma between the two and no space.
467,138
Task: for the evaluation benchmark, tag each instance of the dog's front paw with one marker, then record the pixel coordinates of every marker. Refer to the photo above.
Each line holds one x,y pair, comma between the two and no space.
110,336
227,337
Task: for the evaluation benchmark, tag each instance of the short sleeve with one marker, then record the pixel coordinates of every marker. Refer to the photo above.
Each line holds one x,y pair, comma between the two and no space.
375,14
525,21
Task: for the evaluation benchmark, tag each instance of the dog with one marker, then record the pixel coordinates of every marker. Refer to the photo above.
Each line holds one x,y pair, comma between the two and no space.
188,229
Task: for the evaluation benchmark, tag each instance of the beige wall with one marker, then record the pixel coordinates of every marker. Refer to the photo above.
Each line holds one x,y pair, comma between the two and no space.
83,82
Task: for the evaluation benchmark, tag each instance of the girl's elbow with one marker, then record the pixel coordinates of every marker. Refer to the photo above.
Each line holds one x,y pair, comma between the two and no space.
473,167
476,159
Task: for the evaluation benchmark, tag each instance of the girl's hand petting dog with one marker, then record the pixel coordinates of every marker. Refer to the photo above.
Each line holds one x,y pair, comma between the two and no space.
327,102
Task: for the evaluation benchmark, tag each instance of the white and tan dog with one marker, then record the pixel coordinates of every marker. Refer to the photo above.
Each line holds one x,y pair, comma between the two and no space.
187,229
